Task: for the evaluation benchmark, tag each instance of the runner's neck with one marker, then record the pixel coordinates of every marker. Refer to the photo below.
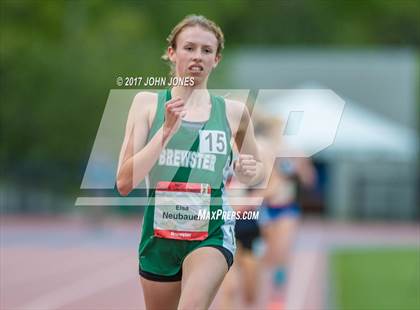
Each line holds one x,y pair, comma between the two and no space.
194,96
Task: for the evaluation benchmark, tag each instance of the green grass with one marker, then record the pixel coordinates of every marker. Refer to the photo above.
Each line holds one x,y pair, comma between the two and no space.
376,279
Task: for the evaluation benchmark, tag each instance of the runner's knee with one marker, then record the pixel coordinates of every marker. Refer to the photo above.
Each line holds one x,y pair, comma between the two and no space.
192,303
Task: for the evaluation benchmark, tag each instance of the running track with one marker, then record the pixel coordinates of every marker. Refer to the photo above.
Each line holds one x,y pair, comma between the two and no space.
70,263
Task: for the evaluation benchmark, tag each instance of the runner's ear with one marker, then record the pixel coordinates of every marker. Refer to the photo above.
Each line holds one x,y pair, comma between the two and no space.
171,54
217,59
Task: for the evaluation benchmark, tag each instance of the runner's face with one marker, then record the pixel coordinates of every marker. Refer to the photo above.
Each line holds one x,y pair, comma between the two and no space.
195,53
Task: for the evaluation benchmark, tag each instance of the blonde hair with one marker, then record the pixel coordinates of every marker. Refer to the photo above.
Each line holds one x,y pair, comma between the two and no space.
191,21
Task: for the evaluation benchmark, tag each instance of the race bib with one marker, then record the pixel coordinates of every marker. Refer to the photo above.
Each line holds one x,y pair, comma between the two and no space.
179,210
213,141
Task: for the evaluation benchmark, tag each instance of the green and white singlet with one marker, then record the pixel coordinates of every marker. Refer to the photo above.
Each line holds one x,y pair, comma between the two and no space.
187,192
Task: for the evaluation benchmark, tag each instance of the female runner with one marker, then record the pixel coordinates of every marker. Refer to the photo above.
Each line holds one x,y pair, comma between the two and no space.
180,139
280,211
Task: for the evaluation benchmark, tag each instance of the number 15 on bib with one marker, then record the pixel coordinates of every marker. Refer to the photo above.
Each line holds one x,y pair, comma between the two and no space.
213,141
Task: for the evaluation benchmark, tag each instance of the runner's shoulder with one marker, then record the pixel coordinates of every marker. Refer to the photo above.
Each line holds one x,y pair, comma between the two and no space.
145,99
235,108
144,103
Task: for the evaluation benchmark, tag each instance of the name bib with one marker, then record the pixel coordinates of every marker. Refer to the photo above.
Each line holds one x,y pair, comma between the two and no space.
178,206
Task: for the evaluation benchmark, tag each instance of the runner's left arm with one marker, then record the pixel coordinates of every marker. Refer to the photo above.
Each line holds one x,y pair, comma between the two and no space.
248,167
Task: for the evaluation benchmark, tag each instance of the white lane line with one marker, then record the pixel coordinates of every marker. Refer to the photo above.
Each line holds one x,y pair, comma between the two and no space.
100,280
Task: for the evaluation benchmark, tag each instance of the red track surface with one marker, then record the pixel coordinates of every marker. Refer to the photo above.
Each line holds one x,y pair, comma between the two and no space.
68,263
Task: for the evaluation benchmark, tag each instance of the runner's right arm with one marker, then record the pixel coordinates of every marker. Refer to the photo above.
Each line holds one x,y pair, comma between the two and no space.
138,156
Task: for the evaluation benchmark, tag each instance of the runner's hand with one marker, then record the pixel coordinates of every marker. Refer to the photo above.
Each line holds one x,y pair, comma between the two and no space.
245,165
174,112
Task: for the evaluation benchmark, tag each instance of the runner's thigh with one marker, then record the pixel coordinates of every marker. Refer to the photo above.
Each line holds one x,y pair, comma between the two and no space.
203,272
161,295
